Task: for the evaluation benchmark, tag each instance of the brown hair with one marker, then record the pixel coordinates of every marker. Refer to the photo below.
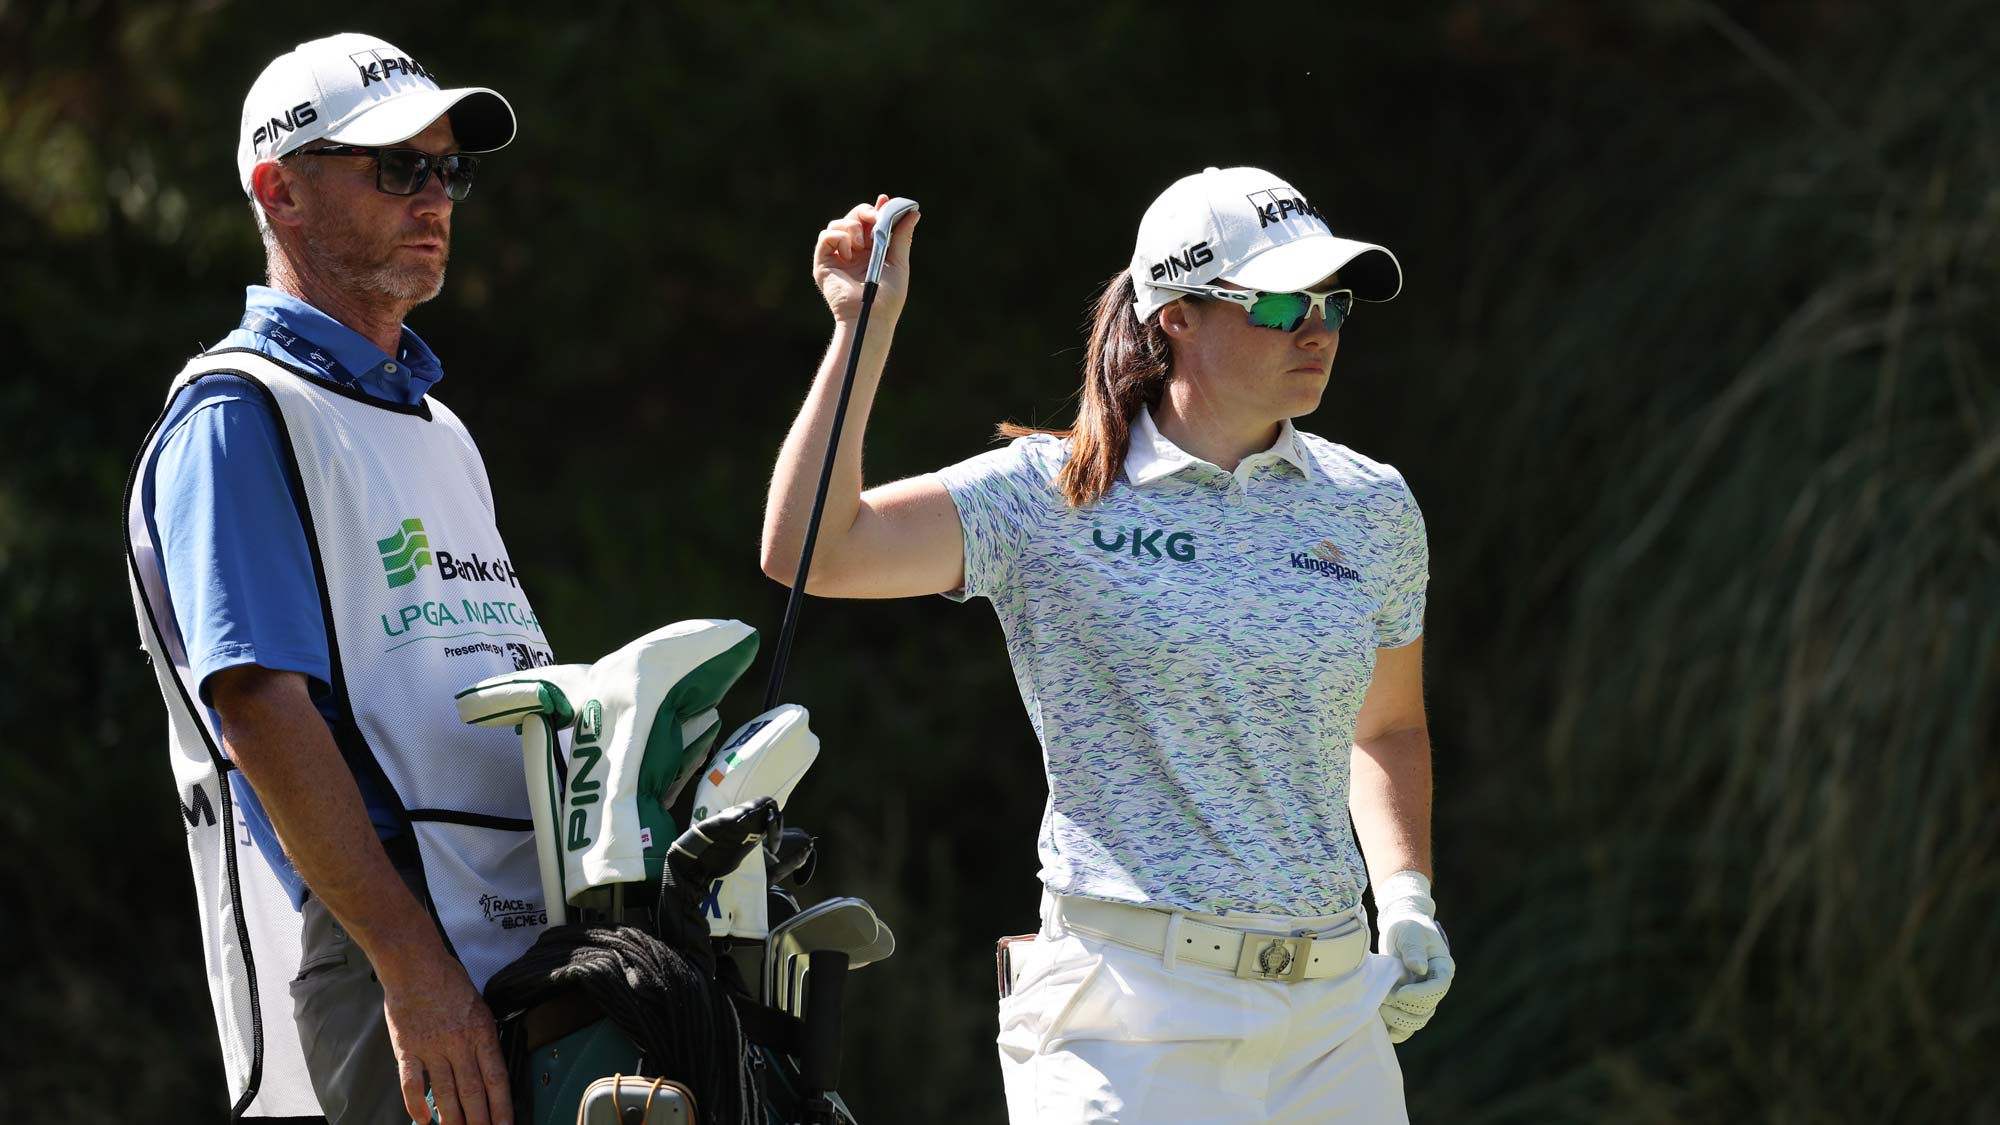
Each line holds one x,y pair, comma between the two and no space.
1124,370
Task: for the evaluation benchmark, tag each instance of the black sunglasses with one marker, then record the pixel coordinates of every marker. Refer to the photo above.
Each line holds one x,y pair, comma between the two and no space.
405,171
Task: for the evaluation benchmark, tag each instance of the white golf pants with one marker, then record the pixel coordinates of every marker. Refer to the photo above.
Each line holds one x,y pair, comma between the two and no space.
1095,1032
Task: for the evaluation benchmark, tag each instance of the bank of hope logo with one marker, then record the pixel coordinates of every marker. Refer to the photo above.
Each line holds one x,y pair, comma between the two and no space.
404,552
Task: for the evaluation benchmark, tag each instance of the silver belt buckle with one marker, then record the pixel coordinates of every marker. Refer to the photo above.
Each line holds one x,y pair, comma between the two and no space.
1275,957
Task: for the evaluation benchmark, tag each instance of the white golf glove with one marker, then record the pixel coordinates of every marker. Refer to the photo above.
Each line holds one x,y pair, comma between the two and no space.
1406,919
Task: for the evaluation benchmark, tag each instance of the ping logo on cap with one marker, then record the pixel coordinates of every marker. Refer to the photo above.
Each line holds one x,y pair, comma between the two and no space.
1273,208
1189,259
297,117
379,66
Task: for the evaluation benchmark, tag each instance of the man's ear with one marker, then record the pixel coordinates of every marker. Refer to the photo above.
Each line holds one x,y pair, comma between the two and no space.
1176,319
277,192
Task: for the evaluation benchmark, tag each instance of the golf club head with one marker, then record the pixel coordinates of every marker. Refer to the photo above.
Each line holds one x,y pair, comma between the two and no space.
766,757
713,847
886,217
846,924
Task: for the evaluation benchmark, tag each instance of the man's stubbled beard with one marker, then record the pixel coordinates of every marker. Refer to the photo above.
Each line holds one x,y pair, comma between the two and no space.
356,271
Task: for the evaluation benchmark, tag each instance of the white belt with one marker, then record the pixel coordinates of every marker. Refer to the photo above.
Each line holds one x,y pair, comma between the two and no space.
1252,955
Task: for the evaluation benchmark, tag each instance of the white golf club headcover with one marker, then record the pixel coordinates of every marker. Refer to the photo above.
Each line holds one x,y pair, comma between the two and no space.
502,700
1406,917
540,703
766,757
645,705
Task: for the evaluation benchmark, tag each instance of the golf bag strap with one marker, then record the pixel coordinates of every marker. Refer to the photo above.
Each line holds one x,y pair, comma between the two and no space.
769,1027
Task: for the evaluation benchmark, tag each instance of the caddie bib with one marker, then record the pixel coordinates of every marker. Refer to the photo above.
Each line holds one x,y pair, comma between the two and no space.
420,598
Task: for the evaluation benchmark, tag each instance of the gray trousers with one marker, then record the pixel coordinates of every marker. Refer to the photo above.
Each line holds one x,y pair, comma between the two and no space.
337,1004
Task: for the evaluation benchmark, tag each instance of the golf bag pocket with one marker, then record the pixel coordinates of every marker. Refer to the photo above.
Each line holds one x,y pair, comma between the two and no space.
630,1100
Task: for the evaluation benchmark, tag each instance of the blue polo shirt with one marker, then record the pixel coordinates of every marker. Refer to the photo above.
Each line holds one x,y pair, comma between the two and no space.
219,500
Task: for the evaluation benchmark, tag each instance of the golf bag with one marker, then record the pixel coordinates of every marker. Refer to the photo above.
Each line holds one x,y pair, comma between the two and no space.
678,980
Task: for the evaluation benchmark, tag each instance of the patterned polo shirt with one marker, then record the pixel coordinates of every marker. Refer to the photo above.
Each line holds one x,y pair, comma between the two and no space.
1193,650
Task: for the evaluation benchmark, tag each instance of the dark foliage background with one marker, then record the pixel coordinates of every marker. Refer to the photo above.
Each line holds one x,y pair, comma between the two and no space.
1697,376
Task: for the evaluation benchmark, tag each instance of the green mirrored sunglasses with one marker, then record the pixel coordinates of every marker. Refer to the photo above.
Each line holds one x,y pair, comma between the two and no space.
1282,312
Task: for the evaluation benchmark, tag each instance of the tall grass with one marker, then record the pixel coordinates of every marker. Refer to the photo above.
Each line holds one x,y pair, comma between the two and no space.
1697,379
1762,882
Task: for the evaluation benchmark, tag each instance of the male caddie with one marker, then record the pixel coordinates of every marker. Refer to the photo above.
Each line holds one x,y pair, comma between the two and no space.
317,570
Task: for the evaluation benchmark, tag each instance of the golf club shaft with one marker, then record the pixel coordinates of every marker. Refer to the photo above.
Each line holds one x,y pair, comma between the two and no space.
796,602
819,1068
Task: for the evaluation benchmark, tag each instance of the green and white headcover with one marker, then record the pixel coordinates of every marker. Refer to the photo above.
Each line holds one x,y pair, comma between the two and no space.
642,720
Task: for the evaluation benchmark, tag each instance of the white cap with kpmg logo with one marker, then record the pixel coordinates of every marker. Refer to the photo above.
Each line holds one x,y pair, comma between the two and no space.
359,90
1247,226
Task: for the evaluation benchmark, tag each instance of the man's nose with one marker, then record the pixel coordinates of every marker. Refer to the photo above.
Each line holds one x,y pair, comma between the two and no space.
431,199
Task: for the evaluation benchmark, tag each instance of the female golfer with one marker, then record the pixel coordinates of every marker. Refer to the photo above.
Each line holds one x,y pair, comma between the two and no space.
1215,622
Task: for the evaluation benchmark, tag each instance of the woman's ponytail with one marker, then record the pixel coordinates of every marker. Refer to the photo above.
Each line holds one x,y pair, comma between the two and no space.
1124,370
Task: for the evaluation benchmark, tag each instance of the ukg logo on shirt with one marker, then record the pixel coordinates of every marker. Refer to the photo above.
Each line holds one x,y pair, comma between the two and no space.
1178,546
1327,559
405,551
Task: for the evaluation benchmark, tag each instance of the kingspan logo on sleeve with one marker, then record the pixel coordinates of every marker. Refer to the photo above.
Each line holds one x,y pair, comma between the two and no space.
409,550
1326,559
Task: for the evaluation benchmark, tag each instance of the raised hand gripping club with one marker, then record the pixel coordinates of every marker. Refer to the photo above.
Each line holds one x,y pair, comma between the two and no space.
886,218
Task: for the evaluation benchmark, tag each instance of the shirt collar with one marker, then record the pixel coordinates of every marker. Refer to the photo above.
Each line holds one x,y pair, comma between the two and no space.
1152,457
404,378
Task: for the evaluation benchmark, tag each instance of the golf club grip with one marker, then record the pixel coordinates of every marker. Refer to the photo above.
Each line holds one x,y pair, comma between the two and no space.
796,601
826,987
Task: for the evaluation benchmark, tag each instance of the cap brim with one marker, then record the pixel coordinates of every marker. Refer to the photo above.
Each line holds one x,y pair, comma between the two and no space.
1370,271
481,120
